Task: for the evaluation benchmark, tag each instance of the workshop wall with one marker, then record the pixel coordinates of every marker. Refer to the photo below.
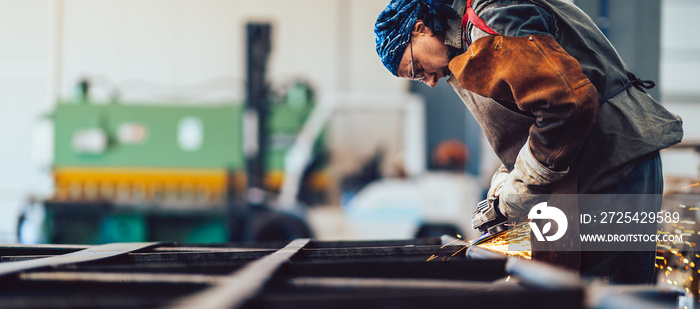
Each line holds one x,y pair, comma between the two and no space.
161,50
680,77
24,95
195,49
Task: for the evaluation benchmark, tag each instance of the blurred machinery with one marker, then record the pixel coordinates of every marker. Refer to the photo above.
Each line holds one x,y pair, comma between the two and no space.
233,172
185,173
432,203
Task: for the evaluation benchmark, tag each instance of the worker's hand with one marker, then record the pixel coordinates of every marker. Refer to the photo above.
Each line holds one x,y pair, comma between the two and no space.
499,178
516,198
528,179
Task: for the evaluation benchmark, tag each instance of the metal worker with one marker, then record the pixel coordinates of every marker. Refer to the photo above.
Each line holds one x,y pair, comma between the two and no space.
557,104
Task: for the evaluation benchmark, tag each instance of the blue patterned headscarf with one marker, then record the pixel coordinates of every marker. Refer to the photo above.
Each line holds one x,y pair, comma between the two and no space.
392,31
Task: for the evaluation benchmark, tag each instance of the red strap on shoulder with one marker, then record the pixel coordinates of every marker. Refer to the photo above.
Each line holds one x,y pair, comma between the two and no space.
470,16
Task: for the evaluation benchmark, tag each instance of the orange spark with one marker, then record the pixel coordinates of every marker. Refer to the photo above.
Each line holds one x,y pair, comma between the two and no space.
464,247
516,238
445,245
693,185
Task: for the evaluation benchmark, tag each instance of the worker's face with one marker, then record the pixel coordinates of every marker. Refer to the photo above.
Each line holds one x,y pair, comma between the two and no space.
429,56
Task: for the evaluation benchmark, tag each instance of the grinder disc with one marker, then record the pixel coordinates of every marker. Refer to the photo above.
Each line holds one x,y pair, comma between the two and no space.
491,233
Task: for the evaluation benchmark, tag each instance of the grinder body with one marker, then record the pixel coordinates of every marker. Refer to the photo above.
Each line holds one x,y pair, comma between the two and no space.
488,219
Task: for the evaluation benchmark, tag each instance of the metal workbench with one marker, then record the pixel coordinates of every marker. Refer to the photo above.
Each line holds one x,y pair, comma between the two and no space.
419,273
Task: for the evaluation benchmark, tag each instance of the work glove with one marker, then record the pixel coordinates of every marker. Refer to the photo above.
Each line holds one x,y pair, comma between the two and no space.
497,180
526,181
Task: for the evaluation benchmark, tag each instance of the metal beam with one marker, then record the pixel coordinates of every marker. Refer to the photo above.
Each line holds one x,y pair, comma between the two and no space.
87,255
345,283
382,253
43,249
473,270
237,288
228,257
120,278
504,295
374,243
482,253
173,255
632,296
543,275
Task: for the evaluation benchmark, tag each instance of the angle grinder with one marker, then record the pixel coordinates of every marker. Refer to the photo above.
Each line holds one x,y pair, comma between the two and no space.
489,220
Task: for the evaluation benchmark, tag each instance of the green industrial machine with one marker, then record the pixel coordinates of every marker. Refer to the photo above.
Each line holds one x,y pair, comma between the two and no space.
142,135
146,172
185,173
